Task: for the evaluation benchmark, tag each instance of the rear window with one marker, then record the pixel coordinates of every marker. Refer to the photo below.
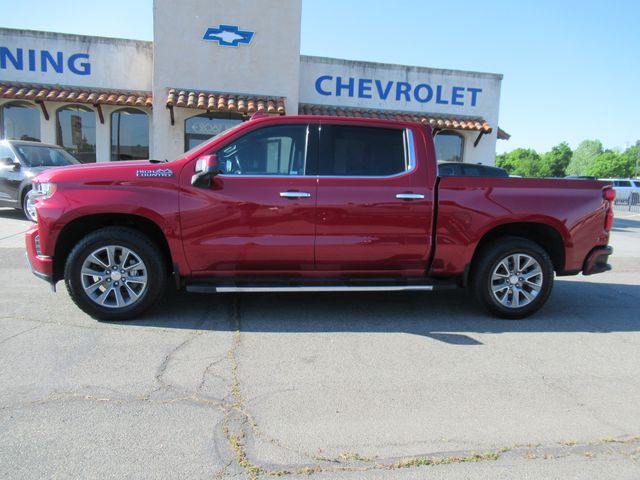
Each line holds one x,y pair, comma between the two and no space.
353,151
622,183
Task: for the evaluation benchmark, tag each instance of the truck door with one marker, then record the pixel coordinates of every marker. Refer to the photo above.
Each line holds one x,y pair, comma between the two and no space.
374,206
258,216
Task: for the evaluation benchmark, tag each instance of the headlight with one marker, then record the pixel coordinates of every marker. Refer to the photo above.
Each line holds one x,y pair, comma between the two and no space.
45,189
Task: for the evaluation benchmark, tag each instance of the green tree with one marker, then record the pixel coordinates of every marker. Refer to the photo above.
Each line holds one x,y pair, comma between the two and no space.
608,164
584,157
522,161
556,161
632,159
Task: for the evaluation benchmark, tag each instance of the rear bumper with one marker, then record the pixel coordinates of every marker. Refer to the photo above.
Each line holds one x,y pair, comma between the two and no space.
596,261
41,265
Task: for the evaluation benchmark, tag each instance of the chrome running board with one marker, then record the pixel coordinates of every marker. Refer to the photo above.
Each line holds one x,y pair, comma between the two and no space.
323,288
207,287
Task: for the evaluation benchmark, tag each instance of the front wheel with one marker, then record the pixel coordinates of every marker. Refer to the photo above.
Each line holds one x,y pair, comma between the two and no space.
29,206
115,273
512,277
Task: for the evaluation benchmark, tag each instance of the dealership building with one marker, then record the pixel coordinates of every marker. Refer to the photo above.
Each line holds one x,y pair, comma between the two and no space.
211,65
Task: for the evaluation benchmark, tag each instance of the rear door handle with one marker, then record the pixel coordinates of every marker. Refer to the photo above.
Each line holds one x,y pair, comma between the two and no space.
295,194
410,196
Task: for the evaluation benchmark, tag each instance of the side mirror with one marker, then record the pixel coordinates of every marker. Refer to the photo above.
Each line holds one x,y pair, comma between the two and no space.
206,167
8,162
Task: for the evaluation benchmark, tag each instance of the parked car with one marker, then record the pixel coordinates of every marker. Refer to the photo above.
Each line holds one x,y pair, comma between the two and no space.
460,169
627,190
294,204
20,161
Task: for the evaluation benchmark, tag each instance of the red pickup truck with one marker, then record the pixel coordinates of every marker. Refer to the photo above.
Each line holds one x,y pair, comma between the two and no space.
311,204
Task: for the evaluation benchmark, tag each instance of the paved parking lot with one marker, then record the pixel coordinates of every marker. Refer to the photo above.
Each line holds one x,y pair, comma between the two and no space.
345,386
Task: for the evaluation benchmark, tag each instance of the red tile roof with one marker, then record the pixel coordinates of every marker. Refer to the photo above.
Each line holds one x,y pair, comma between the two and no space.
56,93
225,102
436,121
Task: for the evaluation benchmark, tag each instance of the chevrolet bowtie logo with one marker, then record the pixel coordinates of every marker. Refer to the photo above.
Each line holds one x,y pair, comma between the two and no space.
228,35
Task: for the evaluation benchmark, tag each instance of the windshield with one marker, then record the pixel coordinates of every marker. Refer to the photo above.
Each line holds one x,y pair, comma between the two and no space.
43,156
209,140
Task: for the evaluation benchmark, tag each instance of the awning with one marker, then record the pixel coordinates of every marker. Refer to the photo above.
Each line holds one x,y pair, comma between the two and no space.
39,94
225,102
502,135
437,122
57,93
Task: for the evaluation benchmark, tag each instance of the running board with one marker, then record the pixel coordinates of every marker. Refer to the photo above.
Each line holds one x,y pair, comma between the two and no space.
203,288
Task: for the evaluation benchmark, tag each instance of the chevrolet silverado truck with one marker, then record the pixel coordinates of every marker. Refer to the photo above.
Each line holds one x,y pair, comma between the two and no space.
297,204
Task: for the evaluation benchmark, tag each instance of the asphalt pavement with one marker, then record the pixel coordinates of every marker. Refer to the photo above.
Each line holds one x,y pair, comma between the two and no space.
337,386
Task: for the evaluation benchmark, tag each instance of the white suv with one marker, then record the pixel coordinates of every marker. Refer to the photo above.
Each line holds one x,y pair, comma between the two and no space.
627,189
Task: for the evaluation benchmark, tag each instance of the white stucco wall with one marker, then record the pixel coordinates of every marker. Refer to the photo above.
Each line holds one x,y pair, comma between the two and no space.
269,65
335,82
60,59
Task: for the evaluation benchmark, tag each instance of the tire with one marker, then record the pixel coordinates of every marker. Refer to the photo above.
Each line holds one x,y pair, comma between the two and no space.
125,292
28,207
634,199
499,277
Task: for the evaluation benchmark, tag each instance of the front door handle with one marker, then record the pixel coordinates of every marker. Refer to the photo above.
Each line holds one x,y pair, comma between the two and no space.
410,196
295,194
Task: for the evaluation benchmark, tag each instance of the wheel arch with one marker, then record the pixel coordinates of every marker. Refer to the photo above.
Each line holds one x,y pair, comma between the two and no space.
75,230
549,238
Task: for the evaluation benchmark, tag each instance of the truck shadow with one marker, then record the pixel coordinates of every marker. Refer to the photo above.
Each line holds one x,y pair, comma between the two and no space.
621,224
449,316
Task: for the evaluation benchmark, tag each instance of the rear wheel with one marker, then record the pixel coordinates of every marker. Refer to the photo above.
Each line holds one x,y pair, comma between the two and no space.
512,277
115,273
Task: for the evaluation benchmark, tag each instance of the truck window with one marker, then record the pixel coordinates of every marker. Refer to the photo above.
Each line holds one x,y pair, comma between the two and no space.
353,151
277,150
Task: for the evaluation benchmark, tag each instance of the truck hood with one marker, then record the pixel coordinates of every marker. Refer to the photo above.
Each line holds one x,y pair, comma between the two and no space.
107,171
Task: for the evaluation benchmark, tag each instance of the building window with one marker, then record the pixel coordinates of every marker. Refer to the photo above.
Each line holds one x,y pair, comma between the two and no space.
449,146
76,131
202,127
20,121
129,134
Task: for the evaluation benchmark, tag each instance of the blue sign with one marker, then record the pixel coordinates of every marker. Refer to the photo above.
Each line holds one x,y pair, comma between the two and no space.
44,61
228,35
328,85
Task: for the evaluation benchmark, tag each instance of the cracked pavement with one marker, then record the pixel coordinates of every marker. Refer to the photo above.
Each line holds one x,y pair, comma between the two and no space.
344,386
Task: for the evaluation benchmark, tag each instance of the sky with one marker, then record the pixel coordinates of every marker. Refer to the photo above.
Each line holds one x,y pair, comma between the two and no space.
571,68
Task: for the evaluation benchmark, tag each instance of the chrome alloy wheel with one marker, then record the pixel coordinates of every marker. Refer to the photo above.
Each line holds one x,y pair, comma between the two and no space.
29,206
516,280
114,276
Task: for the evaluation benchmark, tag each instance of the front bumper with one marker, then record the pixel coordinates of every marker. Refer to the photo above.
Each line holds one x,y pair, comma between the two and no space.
41,265
596,261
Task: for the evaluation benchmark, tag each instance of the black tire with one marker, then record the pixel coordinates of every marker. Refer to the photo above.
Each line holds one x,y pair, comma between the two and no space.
27,208
498,285
113,243
634,199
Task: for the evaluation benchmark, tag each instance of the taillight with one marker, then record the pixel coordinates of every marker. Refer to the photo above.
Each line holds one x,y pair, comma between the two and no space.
609,195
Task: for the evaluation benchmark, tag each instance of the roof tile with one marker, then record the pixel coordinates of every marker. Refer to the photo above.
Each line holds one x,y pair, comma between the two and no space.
225,102
436,121
53,93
